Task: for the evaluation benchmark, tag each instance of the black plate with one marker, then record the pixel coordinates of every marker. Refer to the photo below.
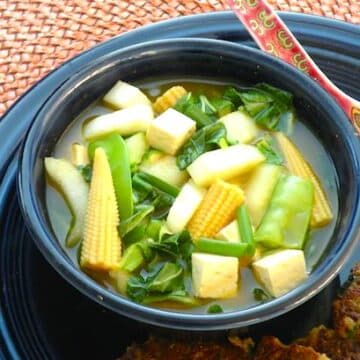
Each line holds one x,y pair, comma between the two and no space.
41,316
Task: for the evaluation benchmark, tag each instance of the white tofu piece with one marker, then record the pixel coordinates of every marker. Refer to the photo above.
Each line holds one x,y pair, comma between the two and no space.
214,276
239,127
184,206
282,271
125,122
229,233
224,163
123,95
170,130
165,168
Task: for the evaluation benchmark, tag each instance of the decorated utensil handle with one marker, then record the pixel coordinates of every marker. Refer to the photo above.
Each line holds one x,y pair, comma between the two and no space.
274,37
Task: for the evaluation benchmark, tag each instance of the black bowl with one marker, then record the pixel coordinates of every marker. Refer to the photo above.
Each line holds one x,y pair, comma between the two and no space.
212,60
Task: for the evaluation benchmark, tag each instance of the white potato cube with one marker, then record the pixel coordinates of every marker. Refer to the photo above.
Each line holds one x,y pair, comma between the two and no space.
165,168
239,127
282,271
123,95
229,233
169,131
215,276
259,189
184,206
125,122
224,163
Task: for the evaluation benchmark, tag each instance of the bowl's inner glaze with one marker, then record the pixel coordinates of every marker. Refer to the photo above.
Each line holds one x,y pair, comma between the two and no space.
214,62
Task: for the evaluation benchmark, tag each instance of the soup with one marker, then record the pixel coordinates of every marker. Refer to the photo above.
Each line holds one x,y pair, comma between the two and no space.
191,195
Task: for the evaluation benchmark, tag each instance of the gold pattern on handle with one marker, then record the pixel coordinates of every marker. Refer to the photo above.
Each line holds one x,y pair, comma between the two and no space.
355,114
240,6
284,39
266,19
300,62
271,48
251,3
256,27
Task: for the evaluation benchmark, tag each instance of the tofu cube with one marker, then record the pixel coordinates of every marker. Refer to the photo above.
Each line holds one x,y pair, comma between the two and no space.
169,131
184,206
239,127
123,95
214,276
281,272
224,163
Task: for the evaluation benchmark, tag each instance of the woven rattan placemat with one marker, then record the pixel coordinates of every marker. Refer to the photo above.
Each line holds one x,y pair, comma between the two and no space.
38,35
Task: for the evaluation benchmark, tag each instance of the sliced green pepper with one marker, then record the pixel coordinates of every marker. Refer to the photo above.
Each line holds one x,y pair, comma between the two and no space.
287,218
117,154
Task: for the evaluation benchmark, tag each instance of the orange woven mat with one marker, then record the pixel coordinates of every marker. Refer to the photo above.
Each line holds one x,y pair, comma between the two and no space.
38,35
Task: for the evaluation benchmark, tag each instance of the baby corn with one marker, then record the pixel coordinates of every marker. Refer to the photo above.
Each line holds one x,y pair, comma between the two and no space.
297,165
168,99
216,210
101,248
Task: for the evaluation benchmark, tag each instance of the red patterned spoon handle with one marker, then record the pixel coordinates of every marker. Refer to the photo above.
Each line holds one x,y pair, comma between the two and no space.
274,37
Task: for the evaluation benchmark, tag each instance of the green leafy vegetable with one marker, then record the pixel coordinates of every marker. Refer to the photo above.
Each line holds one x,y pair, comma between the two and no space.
203,140
86,172
135,235
215,309
233,95
197,108
180,296
261,295
163,279
141,212
206,106
135,255
153,229
266,146
265,103
147,193
222,106
177,245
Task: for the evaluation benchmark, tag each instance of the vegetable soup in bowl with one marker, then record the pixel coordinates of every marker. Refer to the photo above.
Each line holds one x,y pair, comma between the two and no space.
192,184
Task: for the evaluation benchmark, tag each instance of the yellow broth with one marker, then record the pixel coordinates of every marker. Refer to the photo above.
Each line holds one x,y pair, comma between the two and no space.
310,147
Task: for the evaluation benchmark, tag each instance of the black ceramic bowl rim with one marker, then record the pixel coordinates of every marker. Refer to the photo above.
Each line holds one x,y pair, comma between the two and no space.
42,234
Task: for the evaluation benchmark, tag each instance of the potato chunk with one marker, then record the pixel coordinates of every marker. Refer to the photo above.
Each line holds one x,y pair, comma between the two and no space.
184,206
169,131
239,127
123,95
224,163
215,276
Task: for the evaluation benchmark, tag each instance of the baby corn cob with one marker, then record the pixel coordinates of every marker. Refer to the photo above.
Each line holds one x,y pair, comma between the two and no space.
101,248
216,210
79,155
169,98
297,165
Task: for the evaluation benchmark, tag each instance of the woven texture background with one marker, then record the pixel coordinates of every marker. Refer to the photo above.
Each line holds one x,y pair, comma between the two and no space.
38,35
